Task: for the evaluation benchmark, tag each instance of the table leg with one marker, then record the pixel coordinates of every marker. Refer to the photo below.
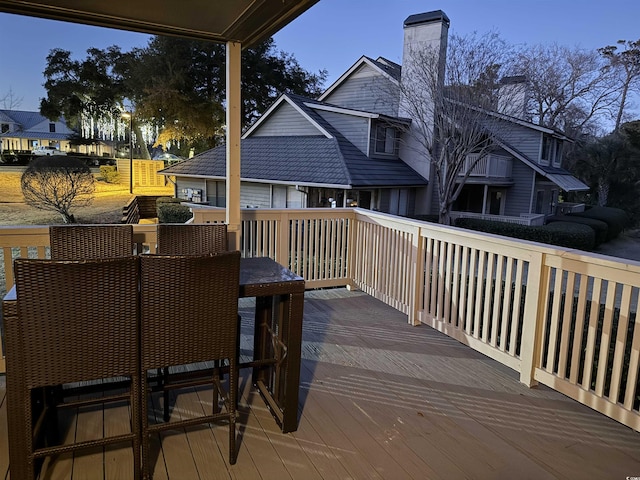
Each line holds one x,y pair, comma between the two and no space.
261,337
278,336
291,335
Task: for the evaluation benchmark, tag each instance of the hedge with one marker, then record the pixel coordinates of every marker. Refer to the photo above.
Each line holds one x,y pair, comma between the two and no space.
615,218
172,212
563,234
600,228
109,174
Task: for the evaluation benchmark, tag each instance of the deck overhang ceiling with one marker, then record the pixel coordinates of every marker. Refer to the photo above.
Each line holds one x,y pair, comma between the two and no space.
243,21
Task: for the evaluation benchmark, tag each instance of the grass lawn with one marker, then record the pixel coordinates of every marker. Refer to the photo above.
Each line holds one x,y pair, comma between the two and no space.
106,207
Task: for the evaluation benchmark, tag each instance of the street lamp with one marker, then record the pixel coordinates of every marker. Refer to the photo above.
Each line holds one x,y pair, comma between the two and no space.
129,115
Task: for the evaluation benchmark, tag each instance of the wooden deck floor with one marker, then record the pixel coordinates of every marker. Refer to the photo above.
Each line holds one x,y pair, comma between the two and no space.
379,400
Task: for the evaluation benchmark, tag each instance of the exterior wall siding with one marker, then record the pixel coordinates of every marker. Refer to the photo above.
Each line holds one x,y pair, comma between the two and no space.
518,198
526,140
354,129
368,90
286,121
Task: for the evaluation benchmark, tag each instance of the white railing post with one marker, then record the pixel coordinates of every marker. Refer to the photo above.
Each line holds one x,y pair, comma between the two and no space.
533,322
417,283
283,241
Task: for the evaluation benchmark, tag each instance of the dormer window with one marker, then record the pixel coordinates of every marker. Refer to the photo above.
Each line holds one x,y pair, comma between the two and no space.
385,139
551,151
52,128
4,127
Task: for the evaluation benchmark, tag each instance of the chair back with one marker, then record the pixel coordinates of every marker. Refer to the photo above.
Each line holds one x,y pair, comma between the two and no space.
78,242
188,308
78,319
191,239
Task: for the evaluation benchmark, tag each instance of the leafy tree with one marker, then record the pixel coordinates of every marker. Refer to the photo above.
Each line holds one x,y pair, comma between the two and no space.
58,184
180,86
626,67
611,166
89,88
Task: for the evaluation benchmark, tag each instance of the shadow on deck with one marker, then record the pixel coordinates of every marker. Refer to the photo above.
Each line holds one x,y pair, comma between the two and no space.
381,399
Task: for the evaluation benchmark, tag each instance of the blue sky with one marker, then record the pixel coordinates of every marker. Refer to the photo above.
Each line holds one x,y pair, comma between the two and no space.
333,34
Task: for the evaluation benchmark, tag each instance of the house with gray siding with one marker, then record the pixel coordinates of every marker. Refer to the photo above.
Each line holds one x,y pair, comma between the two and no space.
306,153
351,147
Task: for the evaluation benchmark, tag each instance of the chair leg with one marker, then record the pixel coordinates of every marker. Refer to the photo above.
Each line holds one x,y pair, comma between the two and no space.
144,426
233,402
165,393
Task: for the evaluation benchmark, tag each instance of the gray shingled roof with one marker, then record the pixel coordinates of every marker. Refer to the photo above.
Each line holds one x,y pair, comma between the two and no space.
391,68
25,118
305,160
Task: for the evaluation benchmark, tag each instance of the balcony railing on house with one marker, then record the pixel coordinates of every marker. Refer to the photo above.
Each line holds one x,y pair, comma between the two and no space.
566,319
490,166
531,219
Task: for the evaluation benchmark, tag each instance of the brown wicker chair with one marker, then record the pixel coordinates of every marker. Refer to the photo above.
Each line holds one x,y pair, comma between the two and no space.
188,314
69,331
191,239
77,242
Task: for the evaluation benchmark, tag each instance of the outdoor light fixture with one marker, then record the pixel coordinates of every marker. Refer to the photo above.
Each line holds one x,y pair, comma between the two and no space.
129,116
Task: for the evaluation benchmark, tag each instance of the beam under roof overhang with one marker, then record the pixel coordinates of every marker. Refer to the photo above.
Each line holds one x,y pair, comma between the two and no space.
243,21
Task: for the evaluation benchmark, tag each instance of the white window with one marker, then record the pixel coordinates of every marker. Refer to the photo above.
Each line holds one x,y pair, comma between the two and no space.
551,151
385,139
547,149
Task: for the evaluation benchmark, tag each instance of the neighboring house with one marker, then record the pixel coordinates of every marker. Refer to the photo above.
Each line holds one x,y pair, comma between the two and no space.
22,131
350,146
304,153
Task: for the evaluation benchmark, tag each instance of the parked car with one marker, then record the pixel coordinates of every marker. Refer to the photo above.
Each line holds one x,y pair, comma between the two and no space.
168,157
45,150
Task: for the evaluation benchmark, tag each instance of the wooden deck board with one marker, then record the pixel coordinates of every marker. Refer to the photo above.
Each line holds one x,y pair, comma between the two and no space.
378,399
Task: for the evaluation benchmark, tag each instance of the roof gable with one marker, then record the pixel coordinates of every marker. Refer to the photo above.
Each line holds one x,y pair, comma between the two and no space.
383,68
285,99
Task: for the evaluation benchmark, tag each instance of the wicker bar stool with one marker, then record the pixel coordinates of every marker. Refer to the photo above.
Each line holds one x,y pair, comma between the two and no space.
188,314
191,239
76,242
68,331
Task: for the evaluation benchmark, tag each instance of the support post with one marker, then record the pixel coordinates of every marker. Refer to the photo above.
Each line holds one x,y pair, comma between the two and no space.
233,143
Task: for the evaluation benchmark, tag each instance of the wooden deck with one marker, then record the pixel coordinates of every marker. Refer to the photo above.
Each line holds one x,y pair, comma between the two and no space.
379,399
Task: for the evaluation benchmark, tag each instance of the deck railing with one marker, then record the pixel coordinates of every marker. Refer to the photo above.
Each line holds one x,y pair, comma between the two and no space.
530,219
489,166
566,319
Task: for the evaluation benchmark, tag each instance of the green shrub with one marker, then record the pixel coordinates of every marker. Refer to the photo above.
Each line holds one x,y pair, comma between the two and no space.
173,212
615,218
563,234
599,227
109,174
161,200
571,235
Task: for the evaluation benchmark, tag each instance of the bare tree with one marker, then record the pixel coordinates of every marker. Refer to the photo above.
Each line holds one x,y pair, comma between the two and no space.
569,89
626,67
451,126
10,101
58,184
